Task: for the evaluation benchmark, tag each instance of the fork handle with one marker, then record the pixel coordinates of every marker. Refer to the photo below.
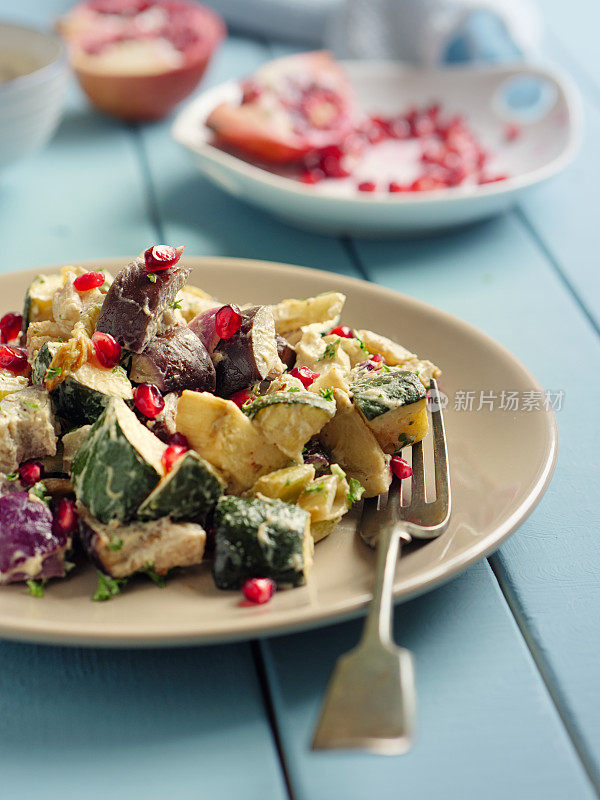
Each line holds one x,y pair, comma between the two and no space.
378,625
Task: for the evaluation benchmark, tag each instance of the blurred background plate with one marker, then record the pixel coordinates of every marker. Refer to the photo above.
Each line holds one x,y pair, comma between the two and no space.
501,462
542,103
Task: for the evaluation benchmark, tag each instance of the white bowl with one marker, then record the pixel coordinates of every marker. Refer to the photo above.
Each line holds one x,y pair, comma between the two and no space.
543,103
30,104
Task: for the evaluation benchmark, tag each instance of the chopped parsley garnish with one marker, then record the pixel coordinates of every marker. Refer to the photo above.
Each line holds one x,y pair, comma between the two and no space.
330,350
36,588
52,372
316,487
293,389
356,491
152,277
363,346
40,491
176,304
148,570
107,587
12,476
31,405
327,394
386,368
116,543
247,404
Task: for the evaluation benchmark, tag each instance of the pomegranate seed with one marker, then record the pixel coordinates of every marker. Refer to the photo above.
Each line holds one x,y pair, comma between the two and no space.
400,468
331,162
10,327
377,357
399,129
228,321
30,472
14,359
367,186
426,183
305,375
241,397
251,91
89,280
394,186
148,400
65,517
172,454
108,350
258,590
161,256
312,176
179,438
512,132
342,330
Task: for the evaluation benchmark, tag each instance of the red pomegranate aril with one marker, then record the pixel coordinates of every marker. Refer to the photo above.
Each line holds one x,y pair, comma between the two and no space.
12,358
342,330
399,128
312,176
108,350
425,183
512,132
65,516
30,472
400,468
305,375
89,280
10,327
179,438
172,454
377,357
148,400
258,590
394,186
241,397
251,91
228,321
331,162
367,186
161,256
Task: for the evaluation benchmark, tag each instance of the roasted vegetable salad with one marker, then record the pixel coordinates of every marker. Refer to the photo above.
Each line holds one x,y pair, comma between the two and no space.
147,426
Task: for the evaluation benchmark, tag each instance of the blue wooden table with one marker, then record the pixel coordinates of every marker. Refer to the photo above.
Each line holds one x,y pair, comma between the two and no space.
507,654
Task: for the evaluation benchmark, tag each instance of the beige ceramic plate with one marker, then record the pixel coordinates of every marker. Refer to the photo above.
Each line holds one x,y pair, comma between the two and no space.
489,499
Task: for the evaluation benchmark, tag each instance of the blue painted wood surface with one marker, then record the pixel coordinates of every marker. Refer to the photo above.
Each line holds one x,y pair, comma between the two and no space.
506,654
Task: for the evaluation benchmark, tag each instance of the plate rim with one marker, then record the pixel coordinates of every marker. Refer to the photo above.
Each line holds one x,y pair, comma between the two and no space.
189,117
72,634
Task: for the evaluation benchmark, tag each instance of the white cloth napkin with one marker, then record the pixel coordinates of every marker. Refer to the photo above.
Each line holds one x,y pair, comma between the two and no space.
421,31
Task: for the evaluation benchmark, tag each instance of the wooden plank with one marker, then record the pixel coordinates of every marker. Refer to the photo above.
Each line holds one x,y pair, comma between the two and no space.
208,221
184,723
495,276
486,726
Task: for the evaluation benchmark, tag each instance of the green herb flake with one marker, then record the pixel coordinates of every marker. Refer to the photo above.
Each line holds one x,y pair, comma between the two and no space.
152,277
148,570
330,350
52,372
36,588
315,487
355,492
107,587
31,405
116,543
386,368
39,490
12,476
363,346
176,304
293,389
327,394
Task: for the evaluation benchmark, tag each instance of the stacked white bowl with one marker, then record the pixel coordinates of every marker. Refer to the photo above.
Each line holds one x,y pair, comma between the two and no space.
33,74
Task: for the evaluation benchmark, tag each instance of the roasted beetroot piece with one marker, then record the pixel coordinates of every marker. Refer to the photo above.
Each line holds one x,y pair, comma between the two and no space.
175,361
139,304
31,547
294,106
163,425
315,454
215,324
285,351
249,355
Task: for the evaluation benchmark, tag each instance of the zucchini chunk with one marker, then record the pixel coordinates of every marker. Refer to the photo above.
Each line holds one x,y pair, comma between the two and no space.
250,354
117,465
175,361
327,500
71,442
28,427
259,538
84,394
397,356
188,492
10,383
224,436
354,447
123,550
136,309
38,298
284,484
292,315
394,405
289,419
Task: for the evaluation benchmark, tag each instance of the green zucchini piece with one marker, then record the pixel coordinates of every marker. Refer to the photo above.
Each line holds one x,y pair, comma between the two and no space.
289,419
377,393
38,298
260,538
82,396
118,464
188,492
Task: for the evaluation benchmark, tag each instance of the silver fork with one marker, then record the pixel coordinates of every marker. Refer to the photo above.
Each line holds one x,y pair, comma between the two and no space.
370,700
